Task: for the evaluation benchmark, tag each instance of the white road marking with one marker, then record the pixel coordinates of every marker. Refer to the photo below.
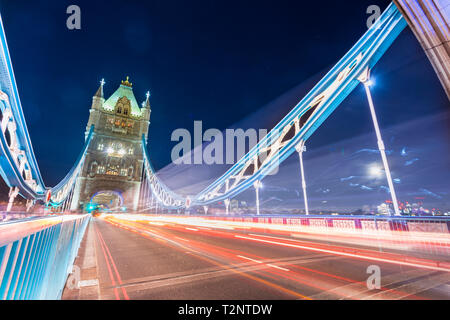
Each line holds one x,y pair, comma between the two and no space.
88,283
257,261
267,264
277,267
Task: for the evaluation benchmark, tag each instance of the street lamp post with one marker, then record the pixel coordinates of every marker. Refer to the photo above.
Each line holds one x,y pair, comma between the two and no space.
152,204
227,206
257,184
300,149
227,201
365,79
13,192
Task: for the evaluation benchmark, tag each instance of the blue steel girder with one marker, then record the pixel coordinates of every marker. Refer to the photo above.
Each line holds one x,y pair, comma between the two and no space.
61,191
303,120
321,101
161,192
18,165
19,168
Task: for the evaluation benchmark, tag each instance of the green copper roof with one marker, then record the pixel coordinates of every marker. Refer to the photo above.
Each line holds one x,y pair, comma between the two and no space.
123,91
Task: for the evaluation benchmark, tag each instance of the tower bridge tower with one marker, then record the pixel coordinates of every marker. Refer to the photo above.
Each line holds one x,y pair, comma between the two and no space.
112,170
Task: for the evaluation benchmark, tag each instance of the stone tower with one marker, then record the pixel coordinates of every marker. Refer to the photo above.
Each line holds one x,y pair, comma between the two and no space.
111,173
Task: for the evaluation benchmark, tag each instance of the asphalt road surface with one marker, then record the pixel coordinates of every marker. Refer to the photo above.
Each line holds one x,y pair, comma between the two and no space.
142,260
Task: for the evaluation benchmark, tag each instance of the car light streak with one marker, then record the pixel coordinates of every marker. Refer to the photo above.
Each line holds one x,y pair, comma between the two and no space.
220,252
381,238
229,254
433,265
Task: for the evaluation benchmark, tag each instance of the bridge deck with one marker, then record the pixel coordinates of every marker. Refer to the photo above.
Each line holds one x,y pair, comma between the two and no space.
137,260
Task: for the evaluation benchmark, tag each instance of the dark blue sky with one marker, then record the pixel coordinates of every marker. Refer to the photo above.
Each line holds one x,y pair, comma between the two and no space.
216,61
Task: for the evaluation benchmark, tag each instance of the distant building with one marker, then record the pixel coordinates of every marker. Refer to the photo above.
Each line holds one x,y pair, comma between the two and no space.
384,209
234,204
112,170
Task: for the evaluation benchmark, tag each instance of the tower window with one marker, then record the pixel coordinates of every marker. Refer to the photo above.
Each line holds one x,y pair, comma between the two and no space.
125,111
112,172
100,146
130,151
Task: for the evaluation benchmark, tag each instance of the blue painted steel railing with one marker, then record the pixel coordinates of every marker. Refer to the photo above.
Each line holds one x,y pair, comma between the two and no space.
37,255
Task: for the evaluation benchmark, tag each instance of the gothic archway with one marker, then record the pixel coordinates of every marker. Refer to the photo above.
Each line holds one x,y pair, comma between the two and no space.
108,199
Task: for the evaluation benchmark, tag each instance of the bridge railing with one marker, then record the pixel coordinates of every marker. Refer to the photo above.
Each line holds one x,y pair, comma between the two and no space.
20,215
37,254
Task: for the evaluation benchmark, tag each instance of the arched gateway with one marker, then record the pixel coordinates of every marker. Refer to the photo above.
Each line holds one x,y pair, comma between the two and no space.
114,159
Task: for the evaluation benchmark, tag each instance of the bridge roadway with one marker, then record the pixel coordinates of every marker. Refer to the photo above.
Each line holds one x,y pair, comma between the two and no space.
142,260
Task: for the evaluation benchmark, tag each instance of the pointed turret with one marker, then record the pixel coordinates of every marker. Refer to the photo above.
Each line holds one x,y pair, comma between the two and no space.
97,104
98,99
147,101
99,93
146,106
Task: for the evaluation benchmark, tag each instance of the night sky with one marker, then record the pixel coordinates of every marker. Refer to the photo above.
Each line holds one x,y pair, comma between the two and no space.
215,61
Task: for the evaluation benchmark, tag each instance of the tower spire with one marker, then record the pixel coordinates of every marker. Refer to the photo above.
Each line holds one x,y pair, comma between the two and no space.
99,92
146,104
127,83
